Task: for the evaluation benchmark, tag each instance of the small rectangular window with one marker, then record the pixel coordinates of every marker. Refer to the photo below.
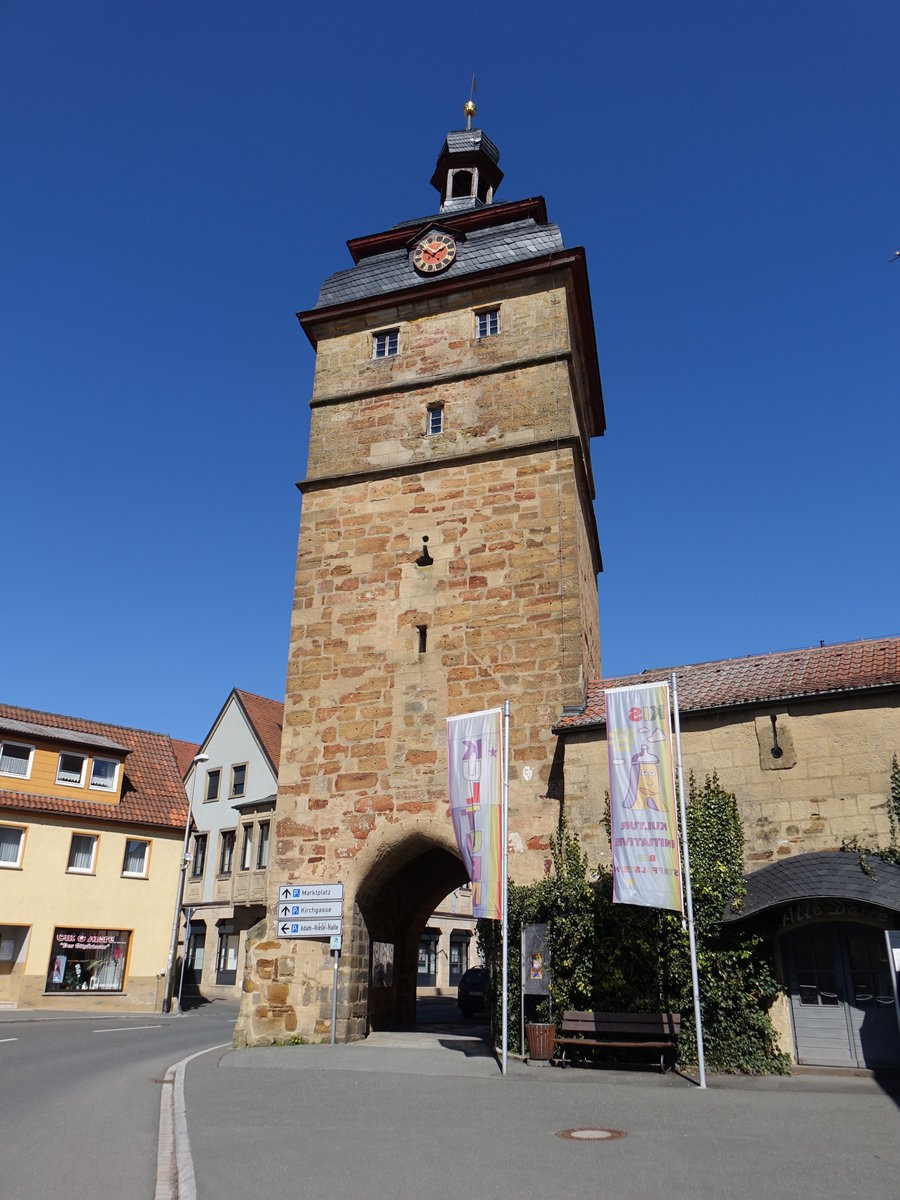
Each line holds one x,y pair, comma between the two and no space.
199,863
239,779
212,784
82,853
247,848
16,759
136,859
12,842
488,323
262,848
423,637
71,769
385,344
435,420
104,774
226,855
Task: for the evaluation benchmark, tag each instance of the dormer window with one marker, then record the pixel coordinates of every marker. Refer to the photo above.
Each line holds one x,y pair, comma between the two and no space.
104,775
385,344
16,759
70,770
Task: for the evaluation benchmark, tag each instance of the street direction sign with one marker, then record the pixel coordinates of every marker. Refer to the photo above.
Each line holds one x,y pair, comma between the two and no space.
326,928
311,909
311,891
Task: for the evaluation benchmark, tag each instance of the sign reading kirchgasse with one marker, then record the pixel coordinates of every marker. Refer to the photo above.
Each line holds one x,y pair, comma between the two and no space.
313,910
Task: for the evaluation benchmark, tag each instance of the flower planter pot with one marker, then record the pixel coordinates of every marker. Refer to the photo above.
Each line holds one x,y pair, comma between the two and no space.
541,1037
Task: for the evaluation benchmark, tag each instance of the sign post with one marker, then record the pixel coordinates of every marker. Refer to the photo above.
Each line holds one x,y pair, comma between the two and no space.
314,910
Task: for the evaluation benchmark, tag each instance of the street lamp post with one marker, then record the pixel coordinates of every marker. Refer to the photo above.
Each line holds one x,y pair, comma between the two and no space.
176,920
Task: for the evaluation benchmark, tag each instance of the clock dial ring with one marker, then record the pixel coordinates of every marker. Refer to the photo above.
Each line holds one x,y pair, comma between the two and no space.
434,253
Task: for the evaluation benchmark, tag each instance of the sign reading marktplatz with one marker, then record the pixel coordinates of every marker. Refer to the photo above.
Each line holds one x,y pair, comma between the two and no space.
314,910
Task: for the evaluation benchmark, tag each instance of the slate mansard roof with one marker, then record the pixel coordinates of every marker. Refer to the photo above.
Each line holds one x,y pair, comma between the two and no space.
818,875
480,249
152,791
819,671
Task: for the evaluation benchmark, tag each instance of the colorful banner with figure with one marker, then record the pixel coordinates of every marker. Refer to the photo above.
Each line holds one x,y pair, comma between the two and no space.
646,859
475,760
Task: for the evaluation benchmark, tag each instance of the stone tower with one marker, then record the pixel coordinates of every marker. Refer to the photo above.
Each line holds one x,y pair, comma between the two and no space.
447,561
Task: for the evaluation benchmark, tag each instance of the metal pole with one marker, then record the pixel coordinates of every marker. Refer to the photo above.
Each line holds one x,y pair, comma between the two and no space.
522,991
170,965
337,955
701,1062
504,826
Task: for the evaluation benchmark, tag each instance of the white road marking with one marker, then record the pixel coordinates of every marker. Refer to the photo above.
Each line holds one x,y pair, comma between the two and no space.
9,1039
125,1028
174,1164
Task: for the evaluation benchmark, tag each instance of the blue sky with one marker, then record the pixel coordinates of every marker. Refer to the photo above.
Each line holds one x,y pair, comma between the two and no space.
179,178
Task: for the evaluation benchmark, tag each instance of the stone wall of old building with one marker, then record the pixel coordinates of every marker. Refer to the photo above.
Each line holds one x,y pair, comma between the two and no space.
384,647
830,781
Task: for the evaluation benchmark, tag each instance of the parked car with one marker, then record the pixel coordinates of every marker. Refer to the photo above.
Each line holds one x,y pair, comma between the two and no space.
471,995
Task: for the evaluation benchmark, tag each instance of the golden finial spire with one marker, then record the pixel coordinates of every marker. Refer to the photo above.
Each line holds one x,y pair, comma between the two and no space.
469,106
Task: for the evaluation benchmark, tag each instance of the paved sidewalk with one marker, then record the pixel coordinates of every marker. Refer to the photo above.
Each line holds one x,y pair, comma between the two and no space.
427,1115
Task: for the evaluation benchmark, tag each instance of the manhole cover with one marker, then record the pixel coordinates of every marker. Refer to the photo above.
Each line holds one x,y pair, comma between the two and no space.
591,1135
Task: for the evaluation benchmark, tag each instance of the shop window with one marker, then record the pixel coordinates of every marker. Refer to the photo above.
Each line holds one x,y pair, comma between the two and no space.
199,859
226,852
427,972
12,843
70,769
88,960
262,847
104,775
16,759
246,847
227,955
238,780
459,957
212,785
137,858
82,853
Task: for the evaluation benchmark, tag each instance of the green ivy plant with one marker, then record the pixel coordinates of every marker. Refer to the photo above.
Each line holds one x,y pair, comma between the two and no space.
625,958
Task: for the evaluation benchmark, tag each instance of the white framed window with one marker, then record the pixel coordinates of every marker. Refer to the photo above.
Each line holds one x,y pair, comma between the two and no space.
82,853
386,343
435,419
238,779
137,858
16,759
246,847
262,846
104,775
487,323
12,843
212,784
70,769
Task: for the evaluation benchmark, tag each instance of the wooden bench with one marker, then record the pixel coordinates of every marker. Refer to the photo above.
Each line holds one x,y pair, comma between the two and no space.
619,1031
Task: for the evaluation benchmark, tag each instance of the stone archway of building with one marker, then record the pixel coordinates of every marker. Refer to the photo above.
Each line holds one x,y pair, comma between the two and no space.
401,888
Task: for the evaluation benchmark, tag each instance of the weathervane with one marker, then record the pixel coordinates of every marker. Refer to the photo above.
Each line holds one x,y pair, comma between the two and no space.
469,106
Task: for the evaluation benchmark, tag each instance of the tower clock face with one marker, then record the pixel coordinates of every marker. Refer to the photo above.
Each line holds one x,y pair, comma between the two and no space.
434,253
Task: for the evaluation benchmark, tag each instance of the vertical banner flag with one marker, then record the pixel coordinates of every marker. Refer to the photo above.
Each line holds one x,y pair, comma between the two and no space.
475,761
646,860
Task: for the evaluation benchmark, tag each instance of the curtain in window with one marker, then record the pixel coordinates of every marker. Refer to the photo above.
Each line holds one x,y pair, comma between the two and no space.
103,773
81,854
70,767
14,760
135,857
9,845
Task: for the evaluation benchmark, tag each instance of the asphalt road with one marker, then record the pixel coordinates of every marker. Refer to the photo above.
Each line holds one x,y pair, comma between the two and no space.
79,1099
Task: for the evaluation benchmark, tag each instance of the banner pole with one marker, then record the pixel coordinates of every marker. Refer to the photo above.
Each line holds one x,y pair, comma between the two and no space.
505,879
701,1062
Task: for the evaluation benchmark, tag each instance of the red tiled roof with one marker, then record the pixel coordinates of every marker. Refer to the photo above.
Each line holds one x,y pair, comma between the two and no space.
152,789
184,755
267,718
760,678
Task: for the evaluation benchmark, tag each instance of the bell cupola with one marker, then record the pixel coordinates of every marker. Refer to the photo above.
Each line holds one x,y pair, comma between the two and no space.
467,174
